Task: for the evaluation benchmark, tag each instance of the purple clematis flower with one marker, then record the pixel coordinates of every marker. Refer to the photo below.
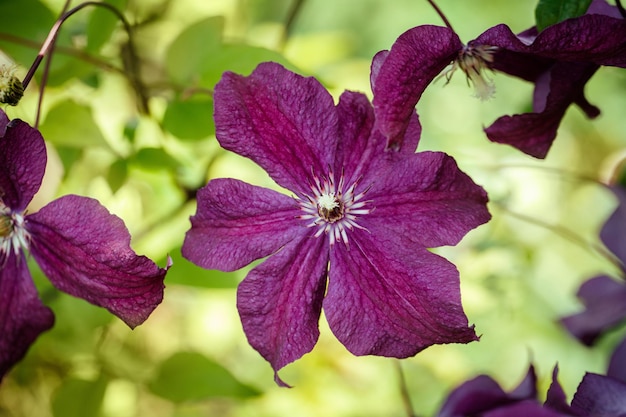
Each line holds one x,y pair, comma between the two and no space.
353,236
483,397
82,248
597,395
559,61
604,297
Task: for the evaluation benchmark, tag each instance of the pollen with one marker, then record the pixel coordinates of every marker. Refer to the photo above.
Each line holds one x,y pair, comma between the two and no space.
333,209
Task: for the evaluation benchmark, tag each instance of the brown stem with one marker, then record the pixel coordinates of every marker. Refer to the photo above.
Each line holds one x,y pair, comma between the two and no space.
54,31
404,391
441,15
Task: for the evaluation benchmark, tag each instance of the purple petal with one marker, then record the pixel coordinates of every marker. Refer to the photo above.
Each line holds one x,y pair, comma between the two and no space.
360,143
415,59
393,301
526,408
423,198
533,133
284,122
614,230
237,223
617,365
556,398
280,302
472,397
605,302
85,251
591,38
22,315
4,121
22,164
482,394
599,395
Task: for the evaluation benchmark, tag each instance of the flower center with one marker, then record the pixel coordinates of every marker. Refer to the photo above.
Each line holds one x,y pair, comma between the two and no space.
333,208
13,235
473,60
330,208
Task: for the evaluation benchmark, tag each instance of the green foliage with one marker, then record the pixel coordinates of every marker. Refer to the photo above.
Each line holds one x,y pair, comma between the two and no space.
79,398
190,118
191,275
28,20
102,23
70,124
189,376
549,12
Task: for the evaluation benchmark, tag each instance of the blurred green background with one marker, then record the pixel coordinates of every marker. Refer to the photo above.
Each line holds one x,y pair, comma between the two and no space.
519,273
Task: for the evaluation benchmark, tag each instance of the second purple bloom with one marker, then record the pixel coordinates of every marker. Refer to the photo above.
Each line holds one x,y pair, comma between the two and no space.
353,237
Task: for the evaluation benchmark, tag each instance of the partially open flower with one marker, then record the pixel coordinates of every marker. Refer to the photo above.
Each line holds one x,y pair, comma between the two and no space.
11,88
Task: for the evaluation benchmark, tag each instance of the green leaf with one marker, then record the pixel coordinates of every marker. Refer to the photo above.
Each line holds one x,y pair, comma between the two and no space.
79,398
550,12
192,51
190,119
186,273
26,19
241,59
189,376
118,172
71,124
102,23
153,159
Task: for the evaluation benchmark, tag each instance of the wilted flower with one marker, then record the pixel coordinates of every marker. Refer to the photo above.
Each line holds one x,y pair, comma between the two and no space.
353,237
82,248
559,61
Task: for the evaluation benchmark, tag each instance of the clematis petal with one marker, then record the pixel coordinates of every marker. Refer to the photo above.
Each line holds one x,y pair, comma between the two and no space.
483,396
280,302
592,38
237,223
436,207
85,251
605,302
284,122
415,59
533,133
614,230
523,409
4,121
22,164
599,395
556,398
617,364
360,143
388,300
22,315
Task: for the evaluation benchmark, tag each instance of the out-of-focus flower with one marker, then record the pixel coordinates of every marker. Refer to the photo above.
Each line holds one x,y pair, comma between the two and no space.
353,237
483,397
604,297
82,248
559,61
597,395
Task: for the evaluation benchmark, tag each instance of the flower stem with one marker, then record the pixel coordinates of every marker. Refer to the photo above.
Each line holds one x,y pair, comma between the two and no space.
291,18
441,15
48,45
404,391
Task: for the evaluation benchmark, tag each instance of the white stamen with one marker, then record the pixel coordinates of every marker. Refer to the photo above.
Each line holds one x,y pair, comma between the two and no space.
333,209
